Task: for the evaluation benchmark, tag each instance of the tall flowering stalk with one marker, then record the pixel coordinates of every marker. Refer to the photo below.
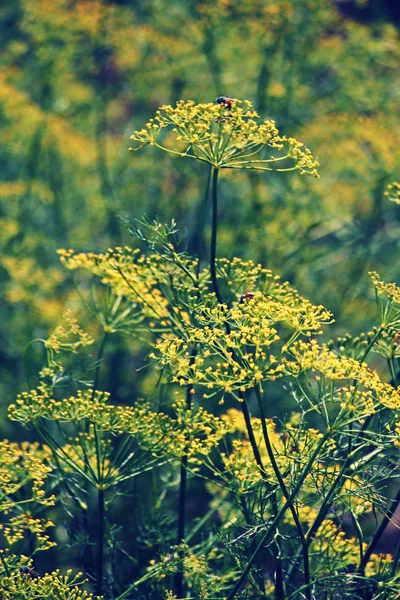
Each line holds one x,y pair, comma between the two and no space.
228,134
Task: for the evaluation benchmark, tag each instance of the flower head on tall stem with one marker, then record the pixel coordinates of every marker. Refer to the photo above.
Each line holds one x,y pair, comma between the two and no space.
225,135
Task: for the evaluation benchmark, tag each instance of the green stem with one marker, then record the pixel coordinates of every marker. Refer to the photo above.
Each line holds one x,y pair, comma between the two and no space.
100,491
286,494
279,591
181,526
213,247
392,372
279,584
100,541
250,433
371,343
99,359
4,563
202,220
182,499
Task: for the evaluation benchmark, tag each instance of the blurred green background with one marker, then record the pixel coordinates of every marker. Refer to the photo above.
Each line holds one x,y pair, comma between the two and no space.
78,77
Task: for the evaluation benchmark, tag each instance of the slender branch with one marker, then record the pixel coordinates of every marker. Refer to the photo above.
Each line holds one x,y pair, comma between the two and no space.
250,433
346,467
100,490
100,541
6,569
99,358
286,494
326,505
182,496
372,342
213,247
255,168
198,243
279,583
379,532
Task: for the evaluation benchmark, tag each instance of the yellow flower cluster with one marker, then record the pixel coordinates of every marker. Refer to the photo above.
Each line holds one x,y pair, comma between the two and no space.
242,357
332,545
24,469
226,134
18,525
162,289
191,432
130,275
393,192
21,581
312,356
197,568
379,564
391,290
68,335
21,464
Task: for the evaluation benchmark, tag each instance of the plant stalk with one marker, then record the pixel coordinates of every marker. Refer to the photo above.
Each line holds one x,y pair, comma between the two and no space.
214,228
286,494
99,359
179,578
100,541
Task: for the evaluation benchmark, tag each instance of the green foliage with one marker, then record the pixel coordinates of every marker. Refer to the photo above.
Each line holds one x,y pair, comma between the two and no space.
202,436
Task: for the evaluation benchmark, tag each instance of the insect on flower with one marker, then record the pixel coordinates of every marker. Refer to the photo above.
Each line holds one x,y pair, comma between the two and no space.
224,100
28,572
246,296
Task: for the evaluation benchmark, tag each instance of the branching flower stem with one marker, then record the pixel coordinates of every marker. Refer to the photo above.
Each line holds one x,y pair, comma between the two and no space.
327,503
286,494
289,497
272,527
393,507
346,467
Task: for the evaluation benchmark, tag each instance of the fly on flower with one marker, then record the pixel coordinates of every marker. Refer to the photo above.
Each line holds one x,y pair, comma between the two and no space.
28,572
224,100
246,296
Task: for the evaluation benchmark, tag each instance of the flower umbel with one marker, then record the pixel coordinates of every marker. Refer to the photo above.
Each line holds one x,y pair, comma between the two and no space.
393,192
226,135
